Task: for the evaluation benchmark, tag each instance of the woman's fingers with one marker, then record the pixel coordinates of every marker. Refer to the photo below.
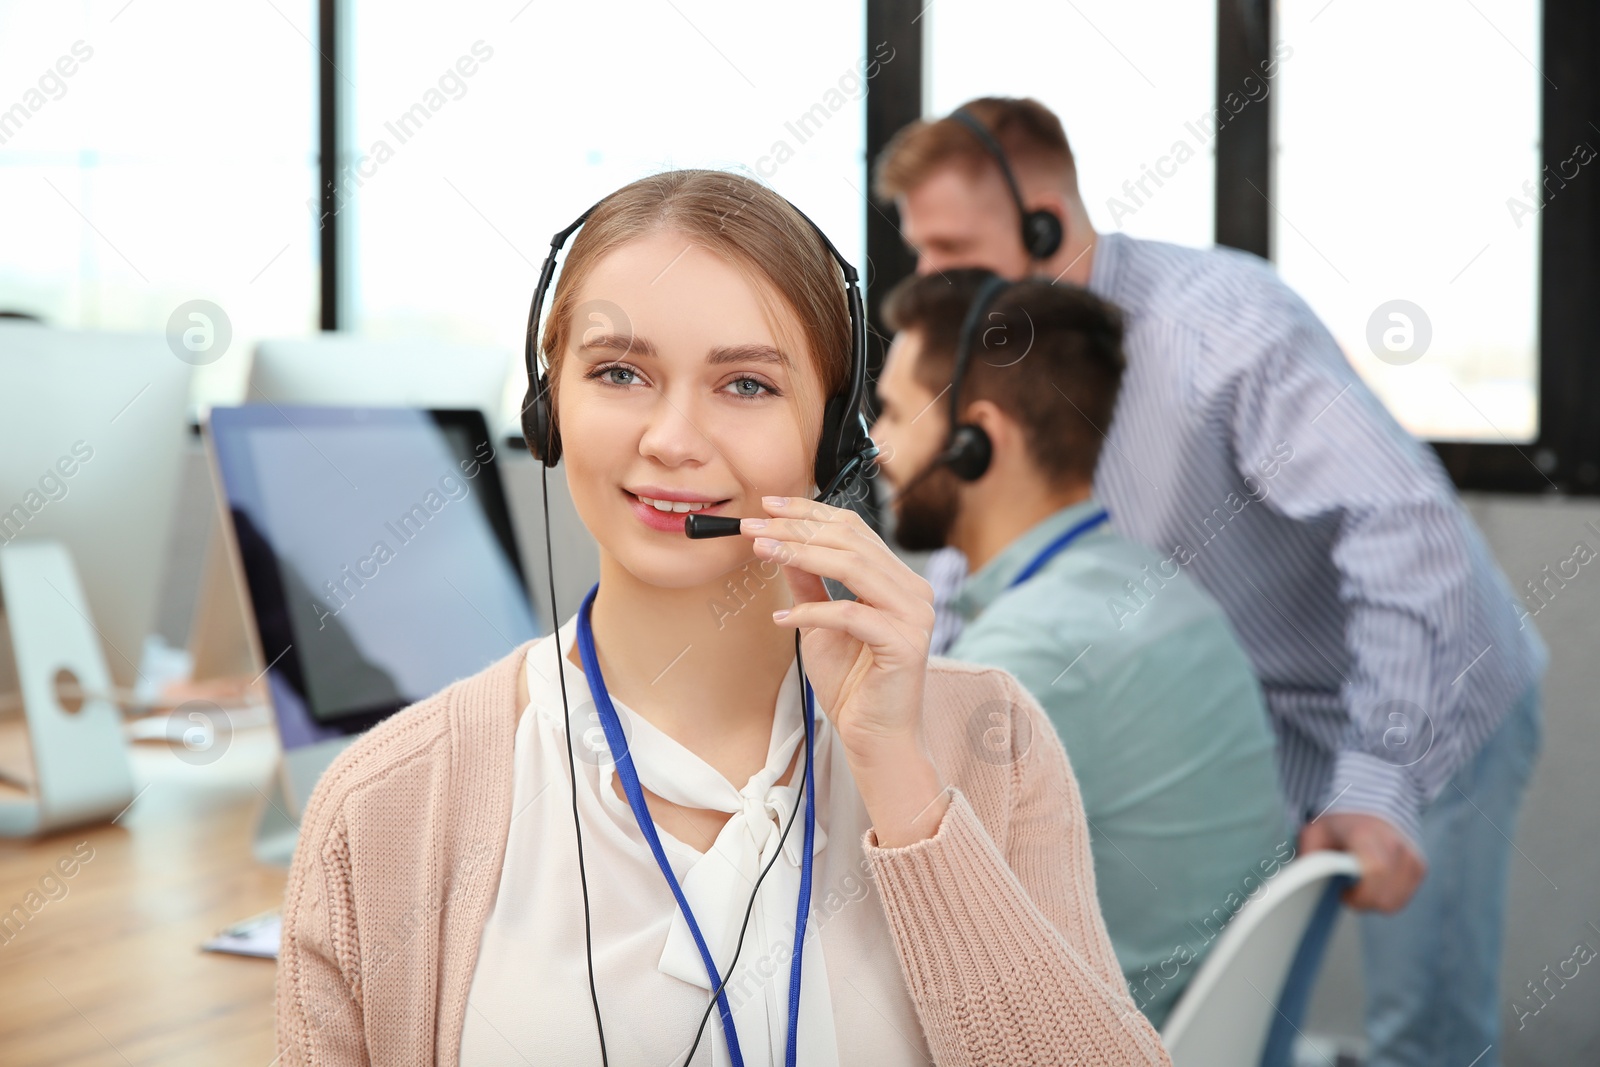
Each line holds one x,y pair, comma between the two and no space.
872,583
810,538
801,511
890,639
804,586
878,575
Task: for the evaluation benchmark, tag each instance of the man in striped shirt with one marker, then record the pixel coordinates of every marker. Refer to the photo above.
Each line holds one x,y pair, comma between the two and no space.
1244,448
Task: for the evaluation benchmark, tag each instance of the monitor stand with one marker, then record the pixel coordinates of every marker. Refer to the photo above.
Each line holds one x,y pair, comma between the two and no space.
299,769
80,758
276,832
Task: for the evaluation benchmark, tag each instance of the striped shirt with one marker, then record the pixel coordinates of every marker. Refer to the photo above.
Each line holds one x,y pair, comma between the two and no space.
1247,452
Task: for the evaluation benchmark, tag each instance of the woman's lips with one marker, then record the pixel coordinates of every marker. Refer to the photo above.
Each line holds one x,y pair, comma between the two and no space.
665,521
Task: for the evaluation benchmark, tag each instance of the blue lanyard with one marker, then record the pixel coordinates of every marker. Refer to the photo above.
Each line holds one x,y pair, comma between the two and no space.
1059,545
629,776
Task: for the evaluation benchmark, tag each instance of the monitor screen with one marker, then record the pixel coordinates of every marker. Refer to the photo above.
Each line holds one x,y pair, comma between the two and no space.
378,552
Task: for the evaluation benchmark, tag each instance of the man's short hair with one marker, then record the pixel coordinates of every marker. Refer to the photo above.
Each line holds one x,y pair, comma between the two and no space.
1049,356
1028,132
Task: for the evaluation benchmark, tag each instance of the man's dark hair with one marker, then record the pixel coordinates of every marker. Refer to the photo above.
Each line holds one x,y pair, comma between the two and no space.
1049,356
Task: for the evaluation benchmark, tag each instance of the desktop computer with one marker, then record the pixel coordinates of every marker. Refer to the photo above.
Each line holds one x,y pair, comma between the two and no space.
93,431
375,552
94,428
340,370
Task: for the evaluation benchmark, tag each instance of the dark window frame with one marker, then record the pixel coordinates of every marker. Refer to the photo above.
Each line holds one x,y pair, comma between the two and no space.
330,101
893,101
1566,455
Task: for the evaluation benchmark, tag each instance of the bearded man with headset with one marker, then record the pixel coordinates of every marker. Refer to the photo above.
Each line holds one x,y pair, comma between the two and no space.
1157,706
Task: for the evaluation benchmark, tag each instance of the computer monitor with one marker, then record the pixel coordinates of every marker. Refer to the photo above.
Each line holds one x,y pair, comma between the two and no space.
93,428
378,560
344,369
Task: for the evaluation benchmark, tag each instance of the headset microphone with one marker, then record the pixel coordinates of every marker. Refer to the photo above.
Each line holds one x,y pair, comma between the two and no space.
701,526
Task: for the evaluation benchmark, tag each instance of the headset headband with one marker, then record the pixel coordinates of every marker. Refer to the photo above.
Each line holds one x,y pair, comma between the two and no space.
979,130
1042,230
990,291
546,274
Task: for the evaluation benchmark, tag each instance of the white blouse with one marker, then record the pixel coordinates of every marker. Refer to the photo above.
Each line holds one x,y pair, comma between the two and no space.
529,1002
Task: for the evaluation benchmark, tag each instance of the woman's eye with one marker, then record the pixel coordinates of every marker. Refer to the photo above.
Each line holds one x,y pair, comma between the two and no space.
604,374
750,388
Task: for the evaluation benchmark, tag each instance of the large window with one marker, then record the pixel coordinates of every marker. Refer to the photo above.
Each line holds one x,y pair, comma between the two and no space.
483,128
153,154
1407,201
1137,105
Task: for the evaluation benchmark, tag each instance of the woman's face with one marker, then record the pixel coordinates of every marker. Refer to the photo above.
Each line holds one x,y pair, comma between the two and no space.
674,386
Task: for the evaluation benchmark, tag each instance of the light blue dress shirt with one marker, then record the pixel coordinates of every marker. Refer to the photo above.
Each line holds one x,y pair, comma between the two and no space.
1164,724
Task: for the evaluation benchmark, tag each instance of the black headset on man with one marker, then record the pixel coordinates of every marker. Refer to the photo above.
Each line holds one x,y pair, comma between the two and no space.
1042,230
968,450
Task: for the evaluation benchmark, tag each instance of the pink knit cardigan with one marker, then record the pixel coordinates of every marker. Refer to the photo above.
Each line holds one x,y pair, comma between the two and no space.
994,918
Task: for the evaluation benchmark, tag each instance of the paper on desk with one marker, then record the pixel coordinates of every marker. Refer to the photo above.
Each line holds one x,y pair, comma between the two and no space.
255,936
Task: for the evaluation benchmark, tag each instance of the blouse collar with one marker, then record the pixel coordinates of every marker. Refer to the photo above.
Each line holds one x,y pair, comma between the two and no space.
719,881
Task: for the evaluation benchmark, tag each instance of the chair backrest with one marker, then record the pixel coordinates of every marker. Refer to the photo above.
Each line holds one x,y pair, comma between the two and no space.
1245,1002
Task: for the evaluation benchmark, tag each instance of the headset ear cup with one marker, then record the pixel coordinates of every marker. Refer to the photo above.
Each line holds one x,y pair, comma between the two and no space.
1042,233
536,423
828,458
530,421
970,452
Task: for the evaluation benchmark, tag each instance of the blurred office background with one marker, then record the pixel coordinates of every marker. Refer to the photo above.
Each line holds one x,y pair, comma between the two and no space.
395,170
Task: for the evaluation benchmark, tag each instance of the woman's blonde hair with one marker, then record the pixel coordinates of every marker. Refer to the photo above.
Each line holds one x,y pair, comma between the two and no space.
753,228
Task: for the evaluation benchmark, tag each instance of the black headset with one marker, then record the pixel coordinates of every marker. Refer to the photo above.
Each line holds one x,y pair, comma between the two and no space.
968,450
1042,230
845,446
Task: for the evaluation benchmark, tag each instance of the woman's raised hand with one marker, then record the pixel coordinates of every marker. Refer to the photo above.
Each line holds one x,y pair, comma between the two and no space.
867,658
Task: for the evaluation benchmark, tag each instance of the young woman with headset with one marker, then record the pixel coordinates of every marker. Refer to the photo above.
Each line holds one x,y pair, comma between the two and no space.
587,852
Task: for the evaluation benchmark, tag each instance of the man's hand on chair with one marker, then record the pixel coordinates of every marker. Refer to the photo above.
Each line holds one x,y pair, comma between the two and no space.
1391,869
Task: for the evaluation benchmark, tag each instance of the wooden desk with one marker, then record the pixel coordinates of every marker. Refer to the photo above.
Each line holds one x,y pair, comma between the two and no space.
110,972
